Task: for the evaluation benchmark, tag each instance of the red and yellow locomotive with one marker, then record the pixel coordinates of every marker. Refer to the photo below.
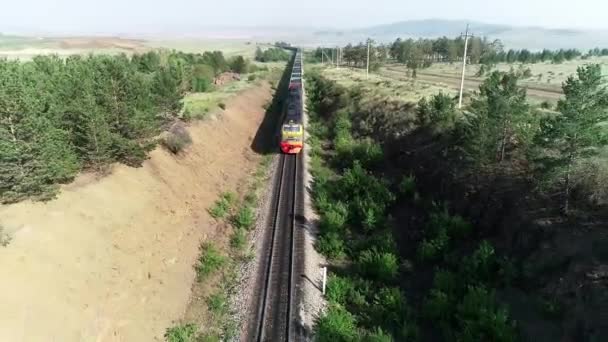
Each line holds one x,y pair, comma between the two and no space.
292,130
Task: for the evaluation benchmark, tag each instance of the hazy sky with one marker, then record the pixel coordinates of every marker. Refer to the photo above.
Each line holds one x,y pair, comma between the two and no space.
141,16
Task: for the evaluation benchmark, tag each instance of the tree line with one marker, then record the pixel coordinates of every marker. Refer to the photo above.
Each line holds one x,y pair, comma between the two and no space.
352,134
59,116
357,200
422,53
272,55
355,55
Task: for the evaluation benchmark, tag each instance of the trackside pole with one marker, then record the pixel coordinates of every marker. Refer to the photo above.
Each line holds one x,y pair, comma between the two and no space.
324,278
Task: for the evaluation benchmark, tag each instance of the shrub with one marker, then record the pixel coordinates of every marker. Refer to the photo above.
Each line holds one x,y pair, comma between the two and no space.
209,261
455,226
331,245
223,205
480,319
177,138
334,218
251,78
447,282
244,218
381,266
368,152
430,250
407,186
336,325
238,239
439,111
222,105
377,335
339,289
217,304
181,333
437,305
482,264
545,105
389,306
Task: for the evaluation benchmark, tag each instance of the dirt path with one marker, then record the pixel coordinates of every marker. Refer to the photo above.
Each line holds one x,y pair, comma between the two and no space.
111,259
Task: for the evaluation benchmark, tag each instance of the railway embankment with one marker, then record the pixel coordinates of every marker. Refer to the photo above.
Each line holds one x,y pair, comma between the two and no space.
115,255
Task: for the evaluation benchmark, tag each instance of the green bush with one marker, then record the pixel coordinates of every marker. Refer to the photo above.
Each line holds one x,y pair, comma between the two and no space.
447,282
545,105
381,266
217,304
389,307
365,192
331,245
336,325
251,78
244,218
433,249
368,152
407,186
339,289
222,105
238,239
223,205
482,265
438,306
454,226
334,218
481,319
209,261
377,335
181,333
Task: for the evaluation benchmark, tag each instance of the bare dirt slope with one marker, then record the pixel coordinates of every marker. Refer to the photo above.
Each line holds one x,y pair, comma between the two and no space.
111,259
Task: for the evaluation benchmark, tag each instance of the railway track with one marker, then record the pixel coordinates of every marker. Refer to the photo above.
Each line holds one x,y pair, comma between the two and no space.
273,321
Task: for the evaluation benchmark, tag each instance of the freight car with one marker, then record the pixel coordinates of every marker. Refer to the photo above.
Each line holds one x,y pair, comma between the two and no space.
292,130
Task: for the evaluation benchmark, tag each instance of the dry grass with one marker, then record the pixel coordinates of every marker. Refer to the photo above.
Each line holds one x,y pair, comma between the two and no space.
544,74
388,87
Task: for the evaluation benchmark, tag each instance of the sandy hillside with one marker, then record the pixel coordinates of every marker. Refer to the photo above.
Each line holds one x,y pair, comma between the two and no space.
111,259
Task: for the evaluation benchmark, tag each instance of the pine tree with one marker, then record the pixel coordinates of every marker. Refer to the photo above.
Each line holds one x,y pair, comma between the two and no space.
579,130
499,115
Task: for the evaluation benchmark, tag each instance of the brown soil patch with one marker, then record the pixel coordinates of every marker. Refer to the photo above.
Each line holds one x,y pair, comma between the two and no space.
111,259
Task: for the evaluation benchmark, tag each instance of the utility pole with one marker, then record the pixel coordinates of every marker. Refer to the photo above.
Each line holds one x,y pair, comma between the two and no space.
332,56
367,66
337,56
331,60
464,65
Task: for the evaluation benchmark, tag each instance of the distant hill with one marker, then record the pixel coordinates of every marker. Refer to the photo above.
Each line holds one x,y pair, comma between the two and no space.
512,36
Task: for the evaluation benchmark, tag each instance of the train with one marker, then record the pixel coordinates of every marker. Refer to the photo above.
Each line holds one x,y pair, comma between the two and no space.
292,128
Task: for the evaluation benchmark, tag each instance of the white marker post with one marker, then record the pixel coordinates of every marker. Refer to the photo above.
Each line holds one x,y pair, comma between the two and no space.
324,278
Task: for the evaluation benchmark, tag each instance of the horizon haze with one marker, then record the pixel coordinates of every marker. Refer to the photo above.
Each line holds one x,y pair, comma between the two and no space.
139,17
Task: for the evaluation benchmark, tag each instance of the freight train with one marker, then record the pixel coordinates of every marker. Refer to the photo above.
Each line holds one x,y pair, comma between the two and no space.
292,130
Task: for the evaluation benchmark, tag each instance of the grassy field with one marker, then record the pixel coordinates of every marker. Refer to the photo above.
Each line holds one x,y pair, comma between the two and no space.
543,74
389,87
198,105
229,47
